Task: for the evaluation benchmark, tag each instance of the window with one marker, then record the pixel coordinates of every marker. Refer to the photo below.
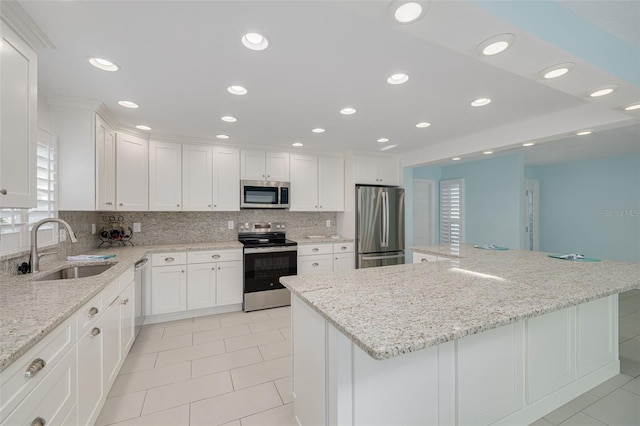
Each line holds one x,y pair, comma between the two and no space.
451,212
15,224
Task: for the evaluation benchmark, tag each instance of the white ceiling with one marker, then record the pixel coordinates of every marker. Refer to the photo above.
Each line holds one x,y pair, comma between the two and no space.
178,57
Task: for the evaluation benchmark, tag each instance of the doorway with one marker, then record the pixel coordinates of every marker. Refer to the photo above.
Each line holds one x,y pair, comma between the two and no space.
531,201
423,212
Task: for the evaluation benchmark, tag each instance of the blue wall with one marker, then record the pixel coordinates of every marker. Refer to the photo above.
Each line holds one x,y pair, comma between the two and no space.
591,207
429,173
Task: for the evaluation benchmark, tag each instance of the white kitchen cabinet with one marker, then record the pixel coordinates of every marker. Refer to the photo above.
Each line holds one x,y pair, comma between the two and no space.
132,173
317,183
377,170
260,165
105,166
168,289
330,184
229,283
111,335
201,285
214,278
325,257
343,257
226,179
165,176
90,374
197,181
426,258
18,121
127,317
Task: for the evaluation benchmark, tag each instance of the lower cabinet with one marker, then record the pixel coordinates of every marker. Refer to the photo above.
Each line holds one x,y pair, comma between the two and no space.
90,377
168,289
426,258
229,283
128,318
319,258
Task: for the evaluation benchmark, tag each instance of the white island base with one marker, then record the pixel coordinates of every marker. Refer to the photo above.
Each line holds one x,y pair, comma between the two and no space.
510,375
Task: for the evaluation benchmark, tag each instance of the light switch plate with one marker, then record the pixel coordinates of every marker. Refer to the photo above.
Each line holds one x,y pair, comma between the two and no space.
137,227
93,229
328,223
230,224
63,234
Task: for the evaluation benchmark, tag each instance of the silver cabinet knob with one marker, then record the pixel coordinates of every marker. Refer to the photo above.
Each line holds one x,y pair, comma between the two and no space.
423,260
343,248
109,203
93,311
169,259
215,205
315,249
209,205
121,204
95,332
38,421
216,256
182,271
125,301
35,366
314,264
177,205
3,191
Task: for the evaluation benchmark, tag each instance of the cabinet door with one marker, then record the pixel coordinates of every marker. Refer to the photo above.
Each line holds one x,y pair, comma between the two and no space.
304,183
277,166
226,179
389,171
168,289
344,262
105,166
197,178
112,355
252,165
229,283
201,285
309,265
18,103
132,173
127,318
330,184
367,170
165,176
90,378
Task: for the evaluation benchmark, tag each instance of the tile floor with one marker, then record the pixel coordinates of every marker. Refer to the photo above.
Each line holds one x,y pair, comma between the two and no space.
235,370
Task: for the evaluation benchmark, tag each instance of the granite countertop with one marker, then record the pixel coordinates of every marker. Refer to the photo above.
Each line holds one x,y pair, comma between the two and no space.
393,310
321,240
29,309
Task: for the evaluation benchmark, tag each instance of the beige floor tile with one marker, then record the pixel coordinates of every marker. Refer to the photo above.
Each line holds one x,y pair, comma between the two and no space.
187,391
284,389
263,372
633,386
618,408
582,419
242,342
168,323
244,318
134,382
610,385
121,408
275,350
628,330
235,405
571,408
631,318
286,332
221,333
281,416
188,353
541,422
628,294
203,325
150,334
274,324
138,363
157,345
632,344
227,361
178,416
284,312
629,362
629,305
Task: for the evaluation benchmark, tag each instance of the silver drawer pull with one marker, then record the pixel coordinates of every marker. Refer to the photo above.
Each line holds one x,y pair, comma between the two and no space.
38,421
315,249
109,203
93,311
35,366
343,248
169,259
216,256
125,301
424,260
95,332
315,264
3,191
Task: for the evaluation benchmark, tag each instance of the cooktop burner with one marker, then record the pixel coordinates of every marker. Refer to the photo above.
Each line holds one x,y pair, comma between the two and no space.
263,234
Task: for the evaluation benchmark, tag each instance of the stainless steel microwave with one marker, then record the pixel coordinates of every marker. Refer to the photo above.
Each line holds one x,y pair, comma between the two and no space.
257,194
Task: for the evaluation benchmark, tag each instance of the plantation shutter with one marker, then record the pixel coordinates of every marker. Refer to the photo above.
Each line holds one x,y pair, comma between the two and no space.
451,211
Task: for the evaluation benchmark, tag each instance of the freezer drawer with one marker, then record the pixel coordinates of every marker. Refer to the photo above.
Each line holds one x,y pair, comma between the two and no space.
379,259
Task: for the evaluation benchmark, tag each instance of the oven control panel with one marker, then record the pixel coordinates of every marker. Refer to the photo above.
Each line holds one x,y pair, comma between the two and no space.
261,227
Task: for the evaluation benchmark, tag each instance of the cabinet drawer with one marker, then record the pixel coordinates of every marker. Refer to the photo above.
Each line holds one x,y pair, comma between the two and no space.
14,385
110,292
52,399
307,250
208,256
343,248
308,265
173,258
424,258
89,313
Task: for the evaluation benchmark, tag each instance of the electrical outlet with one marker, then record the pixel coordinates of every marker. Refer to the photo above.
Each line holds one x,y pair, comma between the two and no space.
230,224
137,227
93,229
63,235
328,223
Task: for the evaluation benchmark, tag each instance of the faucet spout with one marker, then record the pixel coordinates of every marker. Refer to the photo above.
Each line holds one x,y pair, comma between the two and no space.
35,259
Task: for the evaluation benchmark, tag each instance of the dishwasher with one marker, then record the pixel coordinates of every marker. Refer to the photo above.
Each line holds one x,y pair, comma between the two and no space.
141,271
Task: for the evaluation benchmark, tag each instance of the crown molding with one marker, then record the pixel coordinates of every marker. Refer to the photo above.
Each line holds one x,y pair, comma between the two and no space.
14,15
67,102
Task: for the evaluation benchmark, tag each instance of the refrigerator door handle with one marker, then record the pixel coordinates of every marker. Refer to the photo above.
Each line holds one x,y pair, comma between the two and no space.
385,220
386,203
395,256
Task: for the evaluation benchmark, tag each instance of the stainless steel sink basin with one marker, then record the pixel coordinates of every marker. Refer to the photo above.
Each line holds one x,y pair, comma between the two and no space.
81,271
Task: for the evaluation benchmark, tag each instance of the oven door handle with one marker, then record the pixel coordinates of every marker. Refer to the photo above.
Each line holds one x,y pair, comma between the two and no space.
269,249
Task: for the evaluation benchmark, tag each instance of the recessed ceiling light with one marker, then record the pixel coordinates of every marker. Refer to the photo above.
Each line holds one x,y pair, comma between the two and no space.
556,71
222,136
383,140
487,152
237,90
255,41
348,111
456,158
632,107
408,12
388,147
528,144
496,44
128,104
297,144
228,119
423,124
143,127
481,102
584,132
103,64
318,130
602,92
398,78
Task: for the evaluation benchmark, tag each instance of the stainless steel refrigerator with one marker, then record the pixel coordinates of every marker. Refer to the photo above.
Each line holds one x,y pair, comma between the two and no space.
379,226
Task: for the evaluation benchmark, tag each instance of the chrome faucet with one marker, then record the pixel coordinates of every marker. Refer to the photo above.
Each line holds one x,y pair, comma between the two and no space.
35,260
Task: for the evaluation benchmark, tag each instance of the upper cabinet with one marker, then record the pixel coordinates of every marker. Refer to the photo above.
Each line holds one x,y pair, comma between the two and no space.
132,173
165,176
18,121
105,166
197,177
267,166
317,183
377,170
226,179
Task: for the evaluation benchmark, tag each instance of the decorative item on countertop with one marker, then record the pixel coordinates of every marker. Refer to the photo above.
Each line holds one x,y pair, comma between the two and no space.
91,257
113,232
574,256
490,247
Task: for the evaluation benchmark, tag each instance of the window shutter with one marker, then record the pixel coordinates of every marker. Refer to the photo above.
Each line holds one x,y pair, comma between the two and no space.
451,211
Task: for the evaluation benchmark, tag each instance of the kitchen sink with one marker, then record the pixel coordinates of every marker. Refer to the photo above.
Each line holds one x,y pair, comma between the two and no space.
81,271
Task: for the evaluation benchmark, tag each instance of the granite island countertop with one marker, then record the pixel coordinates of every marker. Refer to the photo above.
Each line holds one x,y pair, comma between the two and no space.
392,310
29,309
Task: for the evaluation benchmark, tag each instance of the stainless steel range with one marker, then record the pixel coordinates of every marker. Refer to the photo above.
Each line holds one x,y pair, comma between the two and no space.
268,255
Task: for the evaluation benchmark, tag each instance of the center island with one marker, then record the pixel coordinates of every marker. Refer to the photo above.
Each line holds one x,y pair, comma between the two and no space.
477,337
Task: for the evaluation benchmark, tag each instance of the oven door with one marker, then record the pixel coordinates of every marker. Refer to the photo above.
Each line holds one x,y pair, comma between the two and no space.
264,266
